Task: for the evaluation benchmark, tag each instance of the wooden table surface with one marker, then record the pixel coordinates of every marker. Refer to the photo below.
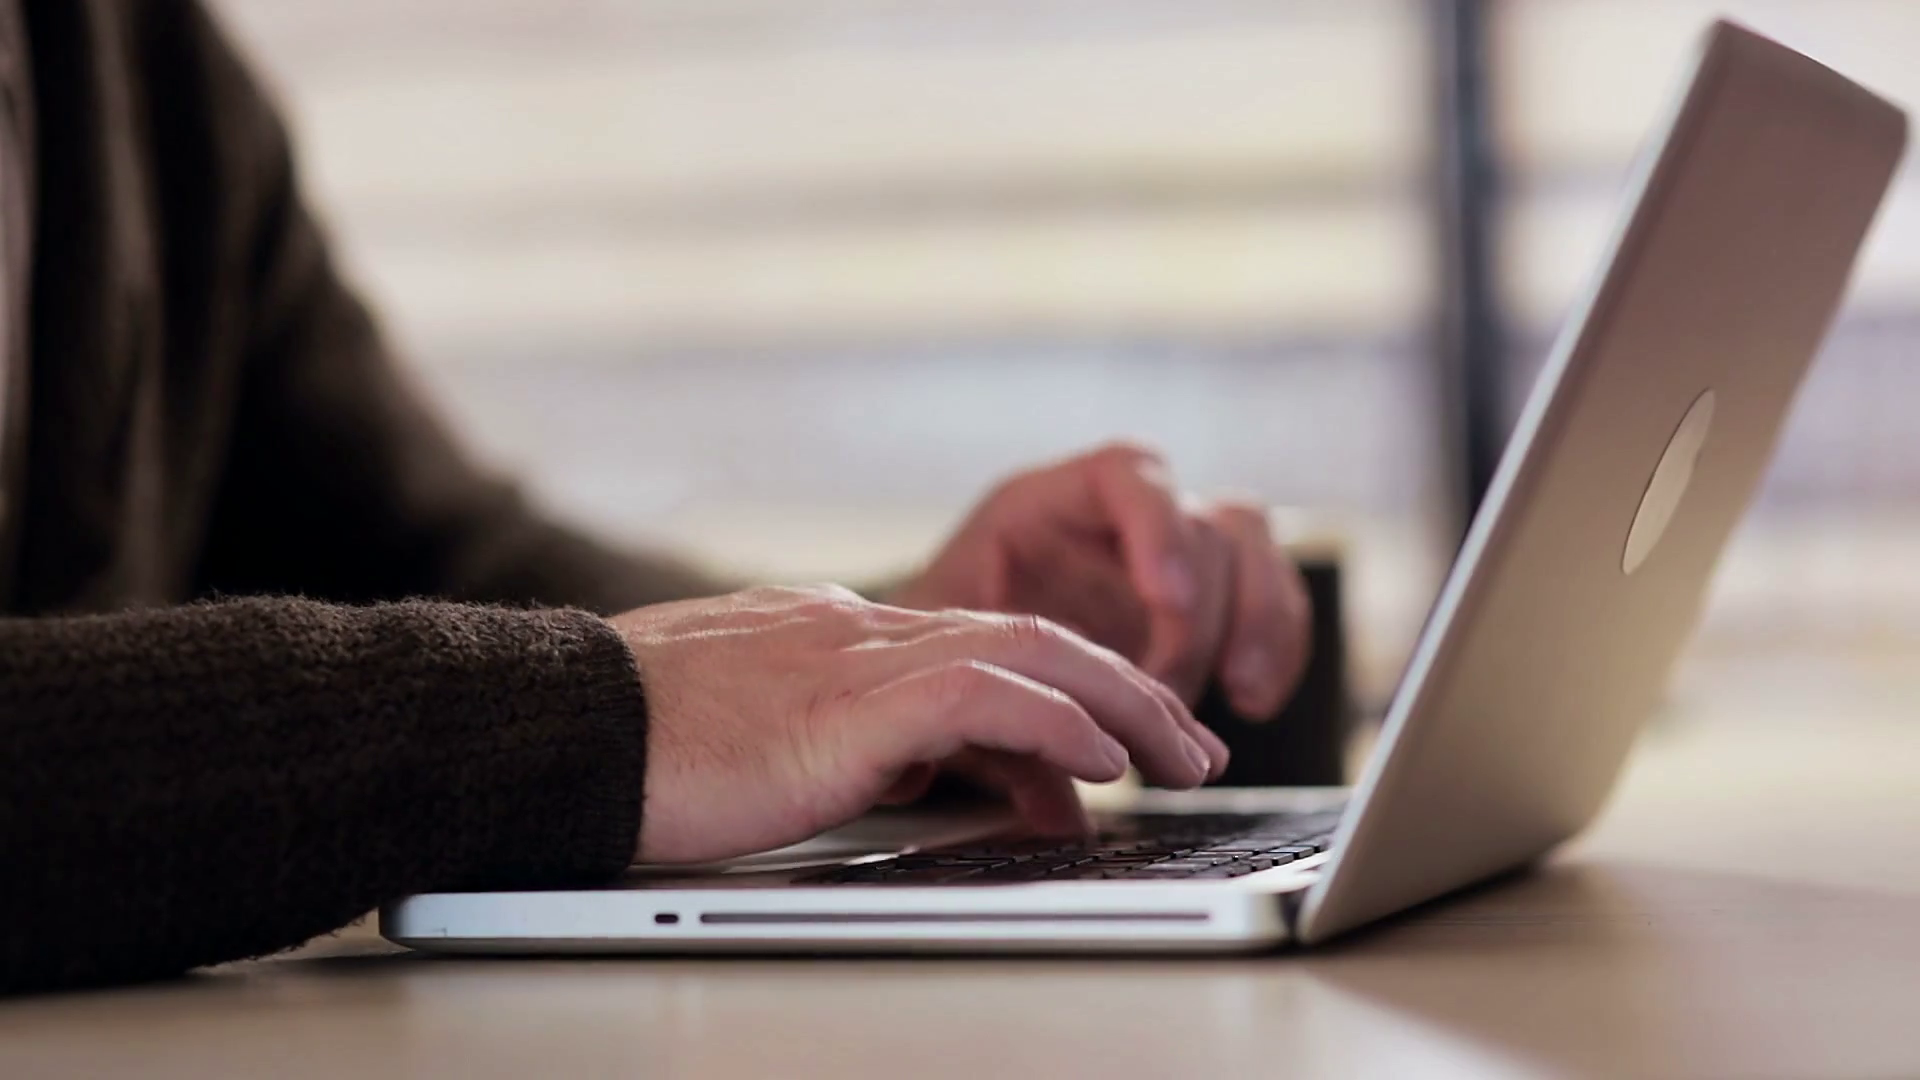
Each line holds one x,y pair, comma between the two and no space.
1749,906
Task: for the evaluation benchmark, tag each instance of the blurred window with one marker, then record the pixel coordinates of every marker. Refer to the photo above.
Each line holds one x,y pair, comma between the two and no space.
1824,564
790,281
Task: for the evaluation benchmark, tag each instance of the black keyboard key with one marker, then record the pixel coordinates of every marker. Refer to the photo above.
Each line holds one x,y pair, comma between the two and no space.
1026,871
932,875
1160,872
1230,870
921,862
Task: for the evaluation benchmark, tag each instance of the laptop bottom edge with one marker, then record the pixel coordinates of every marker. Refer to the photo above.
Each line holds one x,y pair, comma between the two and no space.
1029,919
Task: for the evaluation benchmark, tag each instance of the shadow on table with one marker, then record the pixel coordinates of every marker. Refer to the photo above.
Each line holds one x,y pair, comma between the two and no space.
1628,969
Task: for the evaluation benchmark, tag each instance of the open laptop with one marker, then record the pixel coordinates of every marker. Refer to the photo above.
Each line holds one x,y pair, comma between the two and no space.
1550,642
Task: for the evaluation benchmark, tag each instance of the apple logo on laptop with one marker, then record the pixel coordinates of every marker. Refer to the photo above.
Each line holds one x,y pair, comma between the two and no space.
1669,483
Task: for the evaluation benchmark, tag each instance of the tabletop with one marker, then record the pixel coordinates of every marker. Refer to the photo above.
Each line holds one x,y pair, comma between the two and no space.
1749,905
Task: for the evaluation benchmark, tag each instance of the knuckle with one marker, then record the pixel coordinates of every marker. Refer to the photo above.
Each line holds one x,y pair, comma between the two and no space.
1127,452
829,601
828,594
1008,490
1031,705
1009,494
767,595
1242,519
826,711
952,686
1029,632
1212,537
823,733
1244,512
835,592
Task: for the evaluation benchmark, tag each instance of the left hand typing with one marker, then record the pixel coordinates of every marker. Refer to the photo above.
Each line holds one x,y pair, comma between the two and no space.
1104,544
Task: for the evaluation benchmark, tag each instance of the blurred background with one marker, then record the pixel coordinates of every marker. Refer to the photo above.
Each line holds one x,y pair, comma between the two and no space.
786,283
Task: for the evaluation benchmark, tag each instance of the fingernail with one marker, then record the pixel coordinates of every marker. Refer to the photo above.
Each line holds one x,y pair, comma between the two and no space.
1252,673
1177,579
1220,755
1117,758
1197,757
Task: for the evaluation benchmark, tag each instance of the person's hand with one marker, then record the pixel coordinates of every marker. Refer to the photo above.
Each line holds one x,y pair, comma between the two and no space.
774,714
1103,544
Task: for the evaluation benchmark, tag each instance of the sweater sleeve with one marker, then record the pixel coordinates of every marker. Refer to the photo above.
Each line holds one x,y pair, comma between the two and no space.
198,784
340,481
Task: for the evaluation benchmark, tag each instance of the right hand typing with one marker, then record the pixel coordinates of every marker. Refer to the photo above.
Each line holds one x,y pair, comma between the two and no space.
776,713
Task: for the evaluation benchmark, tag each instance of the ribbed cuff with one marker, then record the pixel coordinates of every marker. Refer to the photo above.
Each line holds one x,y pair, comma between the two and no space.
578,760
613,714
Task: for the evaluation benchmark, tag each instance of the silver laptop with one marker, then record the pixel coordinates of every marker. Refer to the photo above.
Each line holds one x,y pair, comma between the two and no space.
1577,586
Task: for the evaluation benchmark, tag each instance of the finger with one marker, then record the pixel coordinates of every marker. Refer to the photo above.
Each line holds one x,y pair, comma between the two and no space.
1217,752
1162,556
1125,701
1123,495
934,713
1042,795
1268,643
1187,662
1134,488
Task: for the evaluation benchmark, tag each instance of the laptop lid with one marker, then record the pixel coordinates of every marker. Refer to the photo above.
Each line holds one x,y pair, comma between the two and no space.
1636,455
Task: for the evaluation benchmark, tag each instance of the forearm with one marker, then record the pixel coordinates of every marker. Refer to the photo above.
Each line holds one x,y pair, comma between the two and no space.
192,785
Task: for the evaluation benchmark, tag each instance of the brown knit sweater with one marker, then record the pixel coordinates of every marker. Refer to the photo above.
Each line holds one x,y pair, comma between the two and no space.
203,424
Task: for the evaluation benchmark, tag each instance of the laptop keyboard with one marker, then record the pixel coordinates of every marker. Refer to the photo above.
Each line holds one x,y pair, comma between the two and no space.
1137,847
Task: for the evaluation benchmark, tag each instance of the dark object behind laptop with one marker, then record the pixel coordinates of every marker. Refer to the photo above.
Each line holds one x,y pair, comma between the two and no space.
1306,744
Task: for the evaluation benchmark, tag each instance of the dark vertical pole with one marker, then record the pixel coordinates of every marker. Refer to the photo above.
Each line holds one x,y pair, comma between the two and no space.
1469,338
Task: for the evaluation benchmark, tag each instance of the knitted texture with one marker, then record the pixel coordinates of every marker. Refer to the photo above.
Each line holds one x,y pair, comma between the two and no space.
202,783
201,408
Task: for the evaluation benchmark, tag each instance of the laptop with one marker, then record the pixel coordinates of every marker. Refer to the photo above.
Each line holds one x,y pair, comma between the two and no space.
1550,642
